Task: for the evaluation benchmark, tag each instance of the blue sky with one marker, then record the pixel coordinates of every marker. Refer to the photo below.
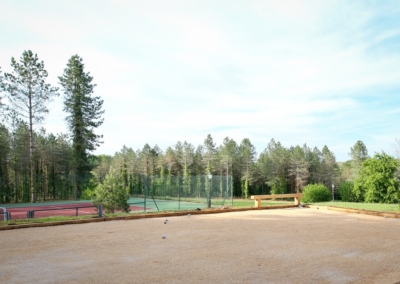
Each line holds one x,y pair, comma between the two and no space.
314,72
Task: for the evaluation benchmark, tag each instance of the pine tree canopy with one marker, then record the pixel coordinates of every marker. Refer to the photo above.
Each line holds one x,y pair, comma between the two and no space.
84,115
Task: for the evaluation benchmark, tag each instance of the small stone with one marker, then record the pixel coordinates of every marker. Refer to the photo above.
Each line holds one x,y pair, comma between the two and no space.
163,236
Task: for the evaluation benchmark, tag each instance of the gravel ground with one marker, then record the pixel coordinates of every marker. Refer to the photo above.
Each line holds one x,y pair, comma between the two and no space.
263,246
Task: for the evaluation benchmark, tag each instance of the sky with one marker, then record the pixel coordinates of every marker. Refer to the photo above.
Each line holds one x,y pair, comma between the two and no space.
314,72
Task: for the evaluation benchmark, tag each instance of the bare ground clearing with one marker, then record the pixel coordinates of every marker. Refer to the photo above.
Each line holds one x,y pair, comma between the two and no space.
263,246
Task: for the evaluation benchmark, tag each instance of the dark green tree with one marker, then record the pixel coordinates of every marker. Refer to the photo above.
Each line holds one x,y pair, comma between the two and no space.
5,189
29,93
84,116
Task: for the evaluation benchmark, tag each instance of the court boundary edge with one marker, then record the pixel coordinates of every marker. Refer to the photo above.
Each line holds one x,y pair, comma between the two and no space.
142,216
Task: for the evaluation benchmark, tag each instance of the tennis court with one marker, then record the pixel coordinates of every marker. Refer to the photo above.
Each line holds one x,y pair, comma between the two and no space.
296,245
85,207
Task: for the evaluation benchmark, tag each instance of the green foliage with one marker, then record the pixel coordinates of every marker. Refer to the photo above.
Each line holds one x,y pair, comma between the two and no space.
84,115
377,182
279,186
112,194
245,188
186,180
89,192
29,94
346,191
316,193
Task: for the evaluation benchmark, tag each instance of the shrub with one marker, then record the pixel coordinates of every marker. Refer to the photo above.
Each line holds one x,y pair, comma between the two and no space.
346,192
316,193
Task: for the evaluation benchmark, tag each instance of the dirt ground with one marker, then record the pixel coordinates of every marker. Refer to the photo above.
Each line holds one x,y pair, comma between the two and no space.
296,245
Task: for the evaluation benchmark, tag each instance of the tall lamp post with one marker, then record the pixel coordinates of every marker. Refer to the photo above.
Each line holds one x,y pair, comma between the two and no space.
333,192
209,191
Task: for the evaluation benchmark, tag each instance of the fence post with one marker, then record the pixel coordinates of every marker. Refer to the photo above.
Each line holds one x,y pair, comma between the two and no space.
100,210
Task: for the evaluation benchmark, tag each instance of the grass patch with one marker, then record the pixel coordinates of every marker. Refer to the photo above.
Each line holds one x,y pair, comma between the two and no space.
63,218
237,202
392,208
44,220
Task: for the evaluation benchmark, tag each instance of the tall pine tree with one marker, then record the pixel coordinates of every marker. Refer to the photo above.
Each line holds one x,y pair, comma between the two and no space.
28,95
84,116
2,114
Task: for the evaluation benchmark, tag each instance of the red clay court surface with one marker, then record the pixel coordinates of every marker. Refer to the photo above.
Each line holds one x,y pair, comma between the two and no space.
65,210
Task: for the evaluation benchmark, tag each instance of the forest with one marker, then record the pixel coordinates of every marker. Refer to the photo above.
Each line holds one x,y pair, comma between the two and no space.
37,166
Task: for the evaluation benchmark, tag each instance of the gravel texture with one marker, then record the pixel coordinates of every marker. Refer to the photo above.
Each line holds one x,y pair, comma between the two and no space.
265,246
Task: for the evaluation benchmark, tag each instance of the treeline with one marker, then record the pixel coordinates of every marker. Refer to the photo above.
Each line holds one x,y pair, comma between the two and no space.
35,165
276,170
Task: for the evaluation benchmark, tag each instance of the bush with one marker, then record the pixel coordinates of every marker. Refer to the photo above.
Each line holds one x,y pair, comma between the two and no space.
346,192
316,193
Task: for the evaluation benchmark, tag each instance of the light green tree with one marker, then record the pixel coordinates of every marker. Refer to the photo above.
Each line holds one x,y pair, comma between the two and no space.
247,154
377,181
112,194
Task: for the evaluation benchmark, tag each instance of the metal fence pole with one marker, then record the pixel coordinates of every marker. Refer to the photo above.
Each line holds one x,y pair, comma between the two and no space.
100,210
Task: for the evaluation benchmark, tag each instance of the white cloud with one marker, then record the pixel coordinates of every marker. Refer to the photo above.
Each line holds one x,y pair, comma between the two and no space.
299,72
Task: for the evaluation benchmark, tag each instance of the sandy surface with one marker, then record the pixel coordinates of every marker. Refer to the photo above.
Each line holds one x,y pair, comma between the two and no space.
263,246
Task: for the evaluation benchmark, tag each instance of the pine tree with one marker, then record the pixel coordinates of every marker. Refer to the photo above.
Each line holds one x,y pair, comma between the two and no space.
84,116
298,168
5,189
28,95
2,106
247,154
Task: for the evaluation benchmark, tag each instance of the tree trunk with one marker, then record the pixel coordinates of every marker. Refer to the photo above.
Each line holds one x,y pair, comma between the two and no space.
32,173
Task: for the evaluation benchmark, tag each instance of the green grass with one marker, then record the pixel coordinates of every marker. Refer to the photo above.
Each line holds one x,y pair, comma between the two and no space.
393,208
65,218
237,202
44,220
